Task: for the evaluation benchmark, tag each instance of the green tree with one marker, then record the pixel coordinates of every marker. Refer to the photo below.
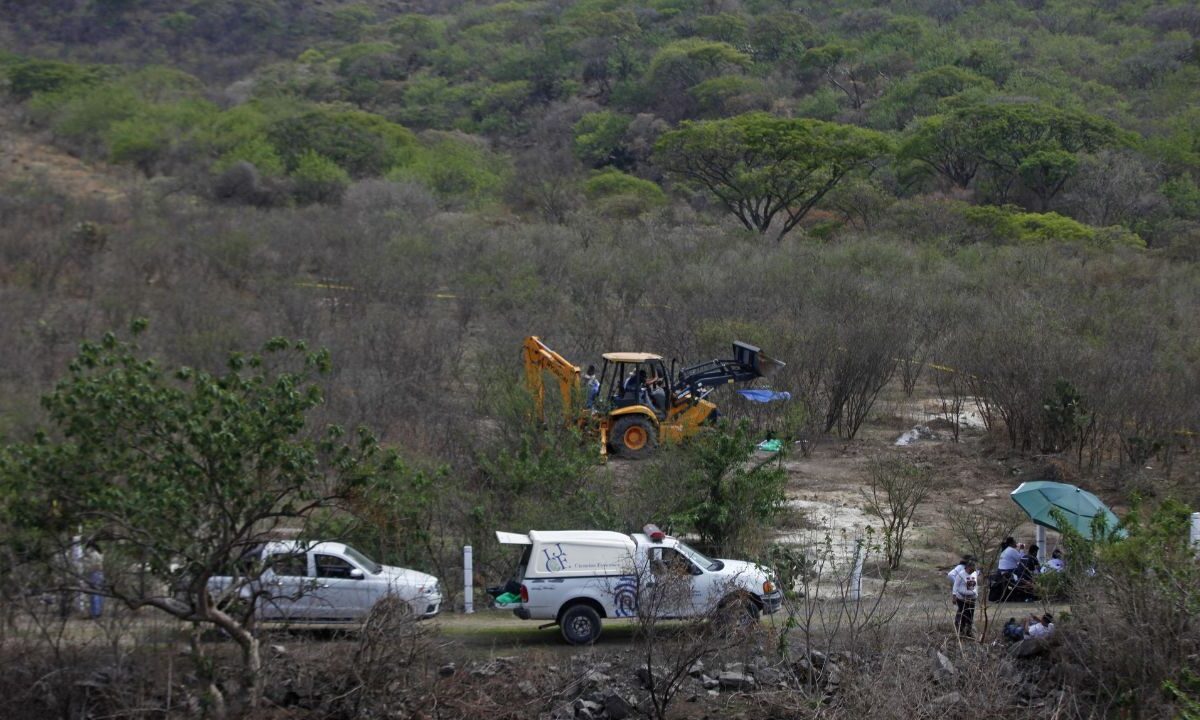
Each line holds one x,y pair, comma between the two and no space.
178,473
1029,144
599,140
360,143
732,499
319,179
762,167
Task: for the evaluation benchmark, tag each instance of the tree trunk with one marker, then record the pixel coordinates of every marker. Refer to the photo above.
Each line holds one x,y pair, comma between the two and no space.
252,669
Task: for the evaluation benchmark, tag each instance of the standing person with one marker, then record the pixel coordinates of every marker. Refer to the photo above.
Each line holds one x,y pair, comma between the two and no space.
954,571
965,584
592,383
93,568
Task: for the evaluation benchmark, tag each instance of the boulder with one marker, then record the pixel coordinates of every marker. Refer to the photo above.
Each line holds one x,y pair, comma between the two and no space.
696,669
1027,648
943,669
709,683
952,698
735,681
616,706
588,710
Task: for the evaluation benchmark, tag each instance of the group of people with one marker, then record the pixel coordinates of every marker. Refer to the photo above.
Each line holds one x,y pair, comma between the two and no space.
1017,569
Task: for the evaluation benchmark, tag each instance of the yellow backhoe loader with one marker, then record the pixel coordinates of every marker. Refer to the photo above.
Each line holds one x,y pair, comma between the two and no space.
638,403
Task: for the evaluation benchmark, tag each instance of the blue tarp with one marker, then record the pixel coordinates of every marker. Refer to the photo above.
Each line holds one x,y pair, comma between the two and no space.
764,396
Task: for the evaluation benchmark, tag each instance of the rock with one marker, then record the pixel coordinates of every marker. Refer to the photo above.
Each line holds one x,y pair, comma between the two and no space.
709,683
588,710
597,679
735,667
714,693
735,681
817,658
953,698
643,675
527,688
833,675
446,670
850,658
277,650
768,676
615,706
943,669
976,501
696,669
1027,648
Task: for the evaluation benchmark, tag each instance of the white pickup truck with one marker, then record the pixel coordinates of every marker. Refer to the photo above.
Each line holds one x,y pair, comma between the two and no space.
578,577
327,583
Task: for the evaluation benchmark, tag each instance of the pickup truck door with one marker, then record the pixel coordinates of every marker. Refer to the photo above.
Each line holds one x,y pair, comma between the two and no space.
338,595
669,586
286,582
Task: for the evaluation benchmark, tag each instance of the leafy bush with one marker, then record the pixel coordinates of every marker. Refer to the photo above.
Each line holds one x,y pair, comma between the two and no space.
319,179
618,194
1009,225
599,139
456,168
30,77
360,143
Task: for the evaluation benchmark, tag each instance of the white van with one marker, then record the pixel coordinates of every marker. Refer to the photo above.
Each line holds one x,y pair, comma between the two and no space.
578,577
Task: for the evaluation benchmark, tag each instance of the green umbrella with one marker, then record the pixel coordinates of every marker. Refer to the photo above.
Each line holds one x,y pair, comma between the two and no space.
1077,507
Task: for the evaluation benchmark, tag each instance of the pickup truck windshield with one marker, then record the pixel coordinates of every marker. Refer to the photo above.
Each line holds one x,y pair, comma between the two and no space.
699,558
367,563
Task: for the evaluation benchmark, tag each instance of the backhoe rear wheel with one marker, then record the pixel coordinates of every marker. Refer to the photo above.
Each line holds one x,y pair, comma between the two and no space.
634,437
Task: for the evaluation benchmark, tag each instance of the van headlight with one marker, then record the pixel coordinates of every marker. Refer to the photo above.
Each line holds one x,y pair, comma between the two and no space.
768,587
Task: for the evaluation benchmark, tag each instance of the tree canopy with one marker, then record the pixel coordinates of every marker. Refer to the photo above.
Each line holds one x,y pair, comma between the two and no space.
762,167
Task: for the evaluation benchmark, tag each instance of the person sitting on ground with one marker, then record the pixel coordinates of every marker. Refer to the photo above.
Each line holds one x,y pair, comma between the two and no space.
964,599
1055,563
1039,627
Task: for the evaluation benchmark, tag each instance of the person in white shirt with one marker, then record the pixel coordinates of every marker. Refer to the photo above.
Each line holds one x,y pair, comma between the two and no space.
954,571
1055,563
965,592
1010,556
1039,627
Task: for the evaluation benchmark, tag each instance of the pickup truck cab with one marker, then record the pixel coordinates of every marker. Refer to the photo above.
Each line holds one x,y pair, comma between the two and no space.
327,583
578,577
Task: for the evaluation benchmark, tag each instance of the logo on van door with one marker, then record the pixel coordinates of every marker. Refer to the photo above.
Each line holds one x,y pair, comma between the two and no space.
555,562
625,599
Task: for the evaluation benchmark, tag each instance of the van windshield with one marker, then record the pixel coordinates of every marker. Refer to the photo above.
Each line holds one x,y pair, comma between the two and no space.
699,558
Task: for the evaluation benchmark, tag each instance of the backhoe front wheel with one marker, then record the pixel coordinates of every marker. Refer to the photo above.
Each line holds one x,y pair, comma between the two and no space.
633,436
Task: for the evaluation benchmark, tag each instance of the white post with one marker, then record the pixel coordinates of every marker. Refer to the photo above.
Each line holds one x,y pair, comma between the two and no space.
1195,535
856,575
1041,543
468,582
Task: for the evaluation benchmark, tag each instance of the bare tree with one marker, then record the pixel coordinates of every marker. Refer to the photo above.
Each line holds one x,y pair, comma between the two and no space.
896,488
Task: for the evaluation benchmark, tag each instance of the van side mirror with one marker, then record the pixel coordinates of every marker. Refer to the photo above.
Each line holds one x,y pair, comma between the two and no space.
356,574
695,570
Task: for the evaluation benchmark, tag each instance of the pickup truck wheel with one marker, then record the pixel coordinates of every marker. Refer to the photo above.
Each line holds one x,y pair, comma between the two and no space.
633,436
580,625
738,611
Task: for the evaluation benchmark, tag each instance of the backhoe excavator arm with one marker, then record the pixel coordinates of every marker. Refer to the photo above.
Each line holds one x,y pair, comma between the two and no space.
540,359
748,363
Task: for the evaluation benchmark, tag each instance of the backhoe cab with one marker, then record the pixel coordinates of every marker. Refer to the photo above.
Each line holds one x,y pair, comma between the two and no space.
640,403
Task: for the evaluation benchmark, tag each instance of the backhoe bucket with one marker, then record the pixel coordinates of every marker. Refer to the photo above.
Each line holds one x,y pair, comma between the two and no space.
754,358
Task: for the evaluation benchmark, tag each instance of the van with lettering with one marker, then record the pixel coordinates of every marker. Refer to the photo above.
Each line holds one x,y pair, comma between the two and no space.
578,578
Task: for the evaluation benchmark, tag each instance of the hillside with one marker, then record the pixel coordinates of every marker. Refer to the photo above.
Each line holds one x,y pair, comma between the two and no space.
976,222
